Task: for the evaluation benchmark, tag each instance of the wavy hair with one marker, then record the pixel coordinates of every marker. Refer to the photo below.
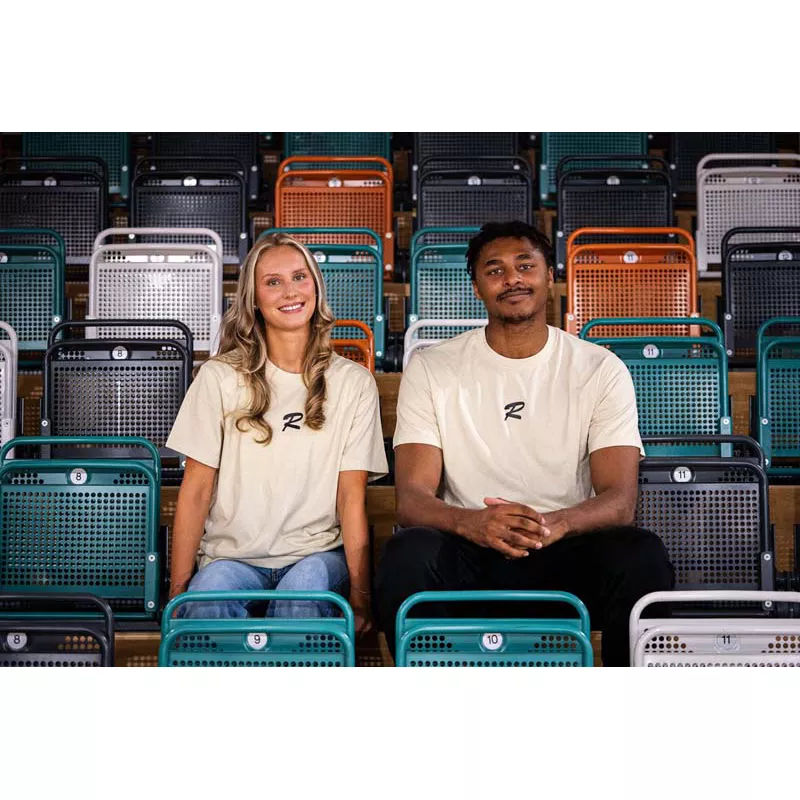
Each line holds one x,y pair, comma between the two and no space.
243,343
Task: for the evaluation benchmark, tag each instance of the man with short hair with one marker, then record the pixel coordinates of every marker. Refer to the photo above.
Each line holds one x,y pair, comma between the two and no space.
517,455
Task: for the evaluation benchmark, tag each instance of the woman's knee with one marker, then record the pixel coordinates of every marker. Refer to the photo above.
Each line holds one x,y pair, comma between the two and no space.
223,576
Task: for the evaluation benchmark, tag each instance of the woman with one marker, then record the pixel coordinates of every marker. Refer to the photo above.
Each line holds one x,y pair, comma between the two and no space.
280,436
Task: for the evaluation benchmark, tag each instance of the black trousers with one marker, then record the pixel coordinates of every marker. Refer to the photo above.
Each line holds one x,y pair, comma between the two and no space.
609,570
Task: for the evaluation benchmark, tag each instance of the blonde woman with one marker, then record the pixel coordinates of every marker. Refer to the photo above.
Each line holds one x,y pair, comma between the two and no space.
280,435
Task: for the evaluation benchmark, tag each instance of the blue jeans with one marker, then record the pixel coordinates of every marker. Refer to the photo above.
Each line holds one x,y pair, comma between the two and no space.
319,572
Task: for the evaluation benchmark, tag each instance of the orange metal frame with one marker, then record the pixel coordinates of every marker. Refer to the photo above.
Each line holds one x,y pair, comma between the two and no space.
624,264
327,186
362,351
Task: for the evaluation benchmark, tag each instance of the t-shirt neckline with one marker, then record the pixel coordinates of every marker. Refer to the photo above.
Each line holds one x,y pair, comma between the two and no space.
517,363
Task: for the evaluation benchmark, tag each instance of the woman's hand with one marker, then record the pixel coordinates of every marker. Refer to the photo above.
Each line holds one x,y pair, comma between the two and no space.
361,603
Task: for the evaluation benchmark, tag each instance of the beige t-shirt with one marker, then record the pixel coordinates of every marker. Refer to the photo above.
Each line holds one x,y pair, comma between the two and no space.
520,429
275,504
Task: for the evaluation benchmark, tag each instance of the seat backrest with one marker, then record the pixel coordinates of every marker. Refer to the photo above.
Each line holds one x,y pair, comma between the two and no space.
712,513
556,146
157,281
262,642
447,638
84,524
214,199
49,194
630,280
761,195
31,292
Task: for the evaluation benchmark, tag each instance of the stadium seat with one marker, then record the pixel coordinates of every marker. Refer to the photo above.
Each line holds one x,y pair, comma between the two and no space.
437,641
778,395
592,195
622,278
82,524
483,190
8,382
184,198
353,275
556,146
158,281
687,149
681,382
703,641
70,633
214,149
711,512
68,197
435,331
759,195
31,292
760,280
441,287
113,148
338,197
127,386
357,145
257,641
353,339
463,150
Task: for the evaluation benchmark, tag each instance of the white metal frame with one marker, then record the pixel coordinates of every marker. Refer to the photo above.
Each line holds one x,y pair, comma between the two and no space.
126,258
411,344
8,397
713,641
742,180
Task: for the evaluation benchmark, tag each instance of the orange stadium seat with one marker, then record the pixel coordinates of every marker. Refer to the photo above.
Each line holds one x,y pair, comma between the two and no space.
338,197
627,279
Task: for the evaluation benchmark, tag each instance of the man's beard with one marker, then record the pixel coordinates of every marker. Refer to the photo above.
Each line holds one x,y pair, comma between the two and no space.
516,319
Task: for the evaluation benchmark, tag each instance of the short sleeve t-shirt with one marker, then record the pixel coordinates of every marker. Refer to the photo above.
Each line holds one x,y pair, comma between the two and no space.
275,504
520,429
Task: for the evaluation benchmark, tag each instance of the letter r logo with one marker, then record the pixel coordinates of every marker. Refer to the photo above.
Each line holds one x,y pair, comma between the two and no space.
511,410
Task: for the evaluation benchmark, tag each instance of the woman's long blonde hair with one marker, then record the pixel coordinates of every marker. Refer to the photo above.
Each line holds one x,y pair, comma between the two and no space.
243,343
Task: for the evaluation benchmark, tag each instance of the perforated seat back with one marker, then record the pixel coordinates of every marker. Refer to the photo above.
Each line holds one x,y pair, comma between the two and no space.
71,202
112,148
556,146
82,525
712,515
630,280
142,281
744,196
31,292
193,199
441,288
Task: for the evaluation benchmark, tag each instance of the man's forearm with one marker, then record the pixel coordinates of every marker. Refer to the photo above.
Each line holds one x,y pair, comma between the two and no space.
608,509
416,507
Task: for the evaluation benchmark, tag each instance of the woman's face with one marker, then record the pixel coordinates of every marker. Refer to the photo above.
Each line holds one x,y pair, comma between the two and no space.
285,292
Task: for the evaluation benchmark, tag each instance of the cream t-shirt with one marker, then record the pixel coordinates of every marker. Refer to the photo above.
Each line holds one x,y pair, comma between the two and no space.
520,429
275,504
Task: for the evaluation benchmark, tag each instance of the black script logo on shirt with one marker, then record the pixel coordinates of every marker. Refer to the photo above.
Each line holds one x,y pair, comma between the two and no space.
291,420
512,408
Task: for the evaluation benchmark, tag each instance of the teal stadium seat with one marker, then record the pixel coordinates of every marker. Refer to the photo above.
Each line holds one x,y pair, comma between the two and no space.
112,148
257,642
493,642
85,525
681,382
556,146
778,397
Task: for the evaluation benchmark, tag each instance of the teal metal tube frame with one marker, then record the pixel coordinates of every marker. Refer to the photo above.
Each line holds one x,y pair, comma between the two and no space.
342,628
579,628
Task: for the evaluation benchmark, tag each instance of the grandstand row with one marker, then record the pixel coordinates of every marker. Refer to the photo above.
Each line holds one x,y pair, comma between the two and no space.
119,256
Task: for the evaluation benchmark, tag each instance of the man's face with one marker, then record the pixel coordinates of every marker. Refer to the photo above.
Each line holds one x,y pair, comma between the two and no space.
512,279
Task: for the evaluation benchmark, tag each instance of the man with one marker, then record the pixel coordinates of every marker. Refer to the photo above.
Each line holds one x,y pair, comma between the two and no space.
502,434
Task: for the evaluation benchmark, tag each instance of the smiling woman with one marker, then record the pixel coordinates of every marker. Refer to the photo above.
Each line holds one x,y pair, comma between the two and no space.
281,436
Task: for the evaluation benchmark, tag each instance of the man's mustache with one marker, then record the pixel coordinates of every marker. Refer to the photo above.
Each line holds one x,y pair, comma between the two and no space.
510,292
